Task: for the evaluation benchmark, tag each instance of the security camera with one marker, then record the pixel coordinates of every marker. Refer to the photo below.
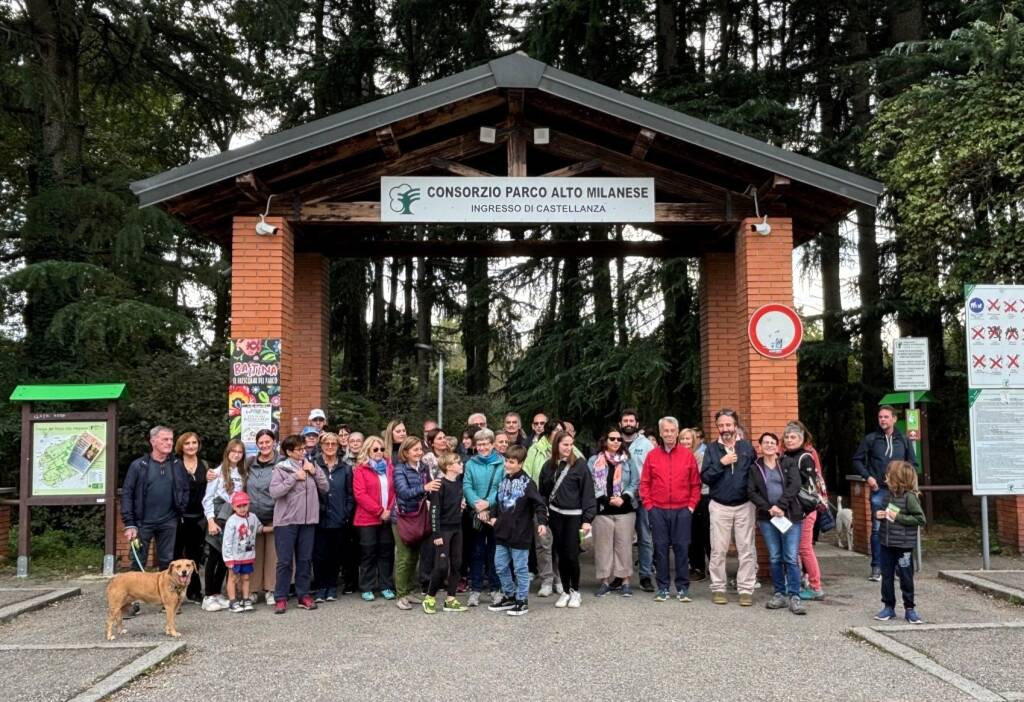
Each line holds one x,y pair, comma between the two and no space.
264,229
763,228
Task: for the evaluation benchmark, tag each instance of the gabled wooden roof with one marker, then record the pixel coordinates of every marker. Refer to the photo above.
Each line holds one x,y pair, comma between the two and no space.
336,162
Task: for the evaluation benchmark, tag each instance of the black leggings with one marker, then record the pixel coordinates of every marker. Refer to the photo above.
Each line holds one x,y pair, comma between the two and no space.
216,571
565,531
447,561
188,543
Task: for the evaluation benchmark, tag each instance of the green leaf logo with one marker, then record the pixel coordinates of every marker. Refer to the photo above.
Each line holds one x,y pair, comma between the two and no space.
402,197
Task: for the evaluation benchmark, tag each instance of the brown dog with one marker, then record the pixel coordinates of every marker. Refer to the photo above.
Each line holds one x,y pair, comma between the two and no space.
166,587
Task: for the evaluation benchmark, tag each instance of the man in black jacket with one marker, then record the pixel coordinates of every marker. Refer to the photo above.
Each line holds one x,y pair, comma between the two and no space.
725,469
876,451
153,497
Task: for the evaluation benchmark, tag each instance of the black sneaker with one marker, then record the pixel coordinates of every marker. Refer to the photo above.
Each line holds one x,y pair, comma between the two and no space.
518,609
504,605
646,585
697,575
615,584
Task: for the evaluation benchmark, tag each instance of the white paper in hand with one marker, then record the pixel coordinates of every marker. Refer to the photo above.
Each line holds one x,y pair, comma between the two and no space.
782,524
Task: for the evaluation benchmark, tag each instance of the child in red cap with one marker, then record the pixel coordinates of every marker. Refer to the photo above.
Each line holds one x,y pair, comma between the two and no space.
239,550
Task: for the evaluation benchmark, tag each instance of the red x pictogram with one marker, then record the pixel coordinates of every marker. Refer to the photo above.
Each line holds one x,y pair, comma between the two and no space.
995,362
993,305
979,361
1013,361
1009,306
977,332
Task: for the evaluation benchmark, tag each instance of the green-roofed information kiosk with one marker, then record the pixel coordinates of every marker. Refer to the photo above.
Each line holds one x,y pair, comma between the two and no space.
67,458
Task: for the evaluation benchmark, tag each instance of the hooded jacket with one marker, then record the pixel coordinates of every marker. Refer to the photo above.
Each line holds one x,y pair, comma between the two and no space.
296,501
520,508
575,494
366,488
481,477
338,504
757,490
133,493
876,450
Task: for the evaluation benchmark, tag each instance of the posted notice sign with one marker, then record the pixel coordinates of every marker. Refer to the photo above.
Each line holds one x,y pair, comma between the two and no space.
997,443
516,200
995,335
910,364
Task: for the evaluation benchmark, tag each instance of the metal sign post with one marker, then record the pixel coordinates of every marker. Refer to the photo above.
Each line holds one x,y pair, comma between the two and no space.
912,373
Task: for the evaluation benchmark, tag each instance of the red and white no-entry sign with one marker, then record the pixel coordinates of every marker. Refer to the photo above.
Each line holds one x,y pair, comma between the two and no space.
775,331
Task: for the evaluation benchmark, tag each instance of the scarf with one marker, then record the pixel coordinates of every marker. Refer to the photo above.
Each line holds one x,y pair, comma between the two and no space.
600,471
379,465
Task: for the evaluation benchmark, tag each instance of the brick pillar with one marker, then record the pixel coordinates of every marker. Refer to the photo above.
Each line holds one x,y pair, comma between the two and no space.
860,503
5,531
1010,520
764,274
122,554
719,382
262,299
311,355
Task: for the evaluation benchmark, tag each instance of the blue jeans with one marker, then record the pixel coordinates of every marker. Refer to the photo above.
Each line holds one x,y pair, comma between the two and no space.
897,562
879,500
482,561
671,528
293,542
782,552
510,561
165,534
644,542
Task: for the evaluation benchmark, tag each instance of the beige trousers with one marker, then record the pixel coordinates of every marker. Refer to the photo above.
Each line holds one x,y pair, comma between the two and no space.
613,545
264,574
727,523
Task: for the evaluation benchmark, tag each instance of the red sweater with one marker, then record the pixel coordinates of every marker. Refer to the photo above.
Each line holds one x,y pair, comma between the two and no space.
670,480
366,488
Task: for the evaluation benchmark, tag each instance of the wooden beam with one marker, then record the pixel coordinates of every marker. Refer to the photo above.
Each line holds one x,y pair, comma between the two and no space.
575,169
368,212
346,184
517,154
459,169
388,143
567,146
644,139
252,187
349,247
516,103
773,188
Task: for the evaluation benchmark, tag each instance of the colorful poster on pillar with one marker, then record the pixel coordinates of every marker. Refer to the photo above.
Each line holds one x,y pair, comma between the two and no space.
254,390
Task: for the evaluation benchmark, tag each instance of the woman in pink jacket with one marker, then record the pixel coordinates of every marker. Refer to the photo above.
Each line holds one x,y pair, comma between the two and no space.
373,485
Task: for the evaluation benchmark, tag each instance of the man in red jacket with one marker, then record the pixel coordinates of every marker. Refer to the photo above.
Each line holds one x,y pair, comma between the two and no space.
670,490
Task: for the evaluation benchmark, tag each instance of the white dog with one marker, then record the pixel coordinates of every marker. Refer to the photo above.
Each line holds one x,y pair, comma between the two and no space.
844,525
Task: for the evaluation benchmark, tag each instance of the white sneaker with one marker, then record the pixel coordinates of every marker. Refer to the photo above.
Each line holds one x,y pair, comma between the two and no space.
545,589
496,597
574,599
224,601
563,600
270,598
558,587
211,604
474,599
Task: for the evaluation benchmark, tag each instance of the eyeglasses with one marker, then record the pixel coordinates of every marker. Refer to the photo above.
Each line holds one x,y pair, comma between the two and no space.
376,449
614,438
539,424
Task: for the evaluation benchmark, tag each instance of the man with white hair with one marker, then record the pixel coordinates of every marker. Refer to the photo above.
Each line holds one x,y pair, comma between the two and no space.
670,489
478,420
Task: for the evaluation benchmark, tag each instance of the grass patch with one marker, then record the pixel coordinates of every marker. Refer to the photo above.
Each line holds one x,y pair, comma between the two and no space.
954,538
55,553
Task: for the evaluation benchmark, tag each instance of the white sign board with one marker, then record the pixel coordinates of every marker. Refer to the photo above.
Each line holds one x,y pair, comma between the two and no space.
516,200
995,336
255,417
910,364
997,442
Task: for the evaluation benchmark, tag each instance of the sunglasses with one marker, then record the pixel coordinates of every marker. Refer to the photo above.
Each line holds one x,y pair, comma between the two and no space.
376,449
614,438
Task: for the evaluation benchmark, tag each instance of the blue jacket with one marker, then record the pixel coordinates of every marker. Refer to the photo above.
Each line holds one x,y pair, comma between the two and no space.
133,491
876,450
728,484
638,450
338,505
481,478
409,492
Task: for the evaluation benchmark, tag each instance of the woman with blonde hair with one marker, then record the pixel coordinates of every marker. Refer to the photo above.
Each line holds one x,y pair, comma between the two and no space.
393,436
412,481
231,476
373,486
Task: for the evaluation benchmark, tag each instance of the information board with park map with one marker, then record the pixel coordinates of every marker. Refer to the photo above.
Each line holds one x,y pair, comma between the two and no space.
69,458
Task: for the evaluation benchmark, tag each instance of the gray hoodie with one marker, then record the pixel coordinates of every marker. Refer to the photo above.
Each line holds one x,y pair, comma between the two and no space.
296,501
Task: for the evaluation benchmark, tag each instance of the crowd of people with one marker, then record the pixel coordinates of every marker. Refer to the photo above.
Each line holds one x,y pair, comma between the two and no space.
491,513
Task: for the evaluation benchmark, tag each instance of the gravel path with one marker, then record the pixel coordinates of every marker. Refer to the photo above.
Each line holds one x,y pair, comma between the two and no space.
610,648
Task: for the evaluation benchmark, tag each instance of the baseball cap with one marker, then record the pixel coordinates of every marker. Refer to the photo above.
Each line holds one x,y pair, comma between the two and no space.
239,498
310,430
317,414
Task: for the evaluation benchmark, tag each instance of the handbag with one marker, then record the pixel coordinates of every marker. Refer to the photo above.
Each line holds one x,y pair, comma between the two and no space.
413,527
808,500
826,520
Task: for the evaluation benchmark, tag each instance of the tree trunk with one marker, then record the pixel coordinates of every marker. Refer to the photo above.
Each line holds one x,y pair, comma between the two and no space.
604,310
667,37
424,332
678,340
349,292
377,331
476,331
620,293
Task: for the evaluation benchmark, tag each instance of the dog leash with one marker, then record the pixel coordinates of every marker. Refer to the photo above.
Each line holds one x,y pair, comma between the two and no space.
134,544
